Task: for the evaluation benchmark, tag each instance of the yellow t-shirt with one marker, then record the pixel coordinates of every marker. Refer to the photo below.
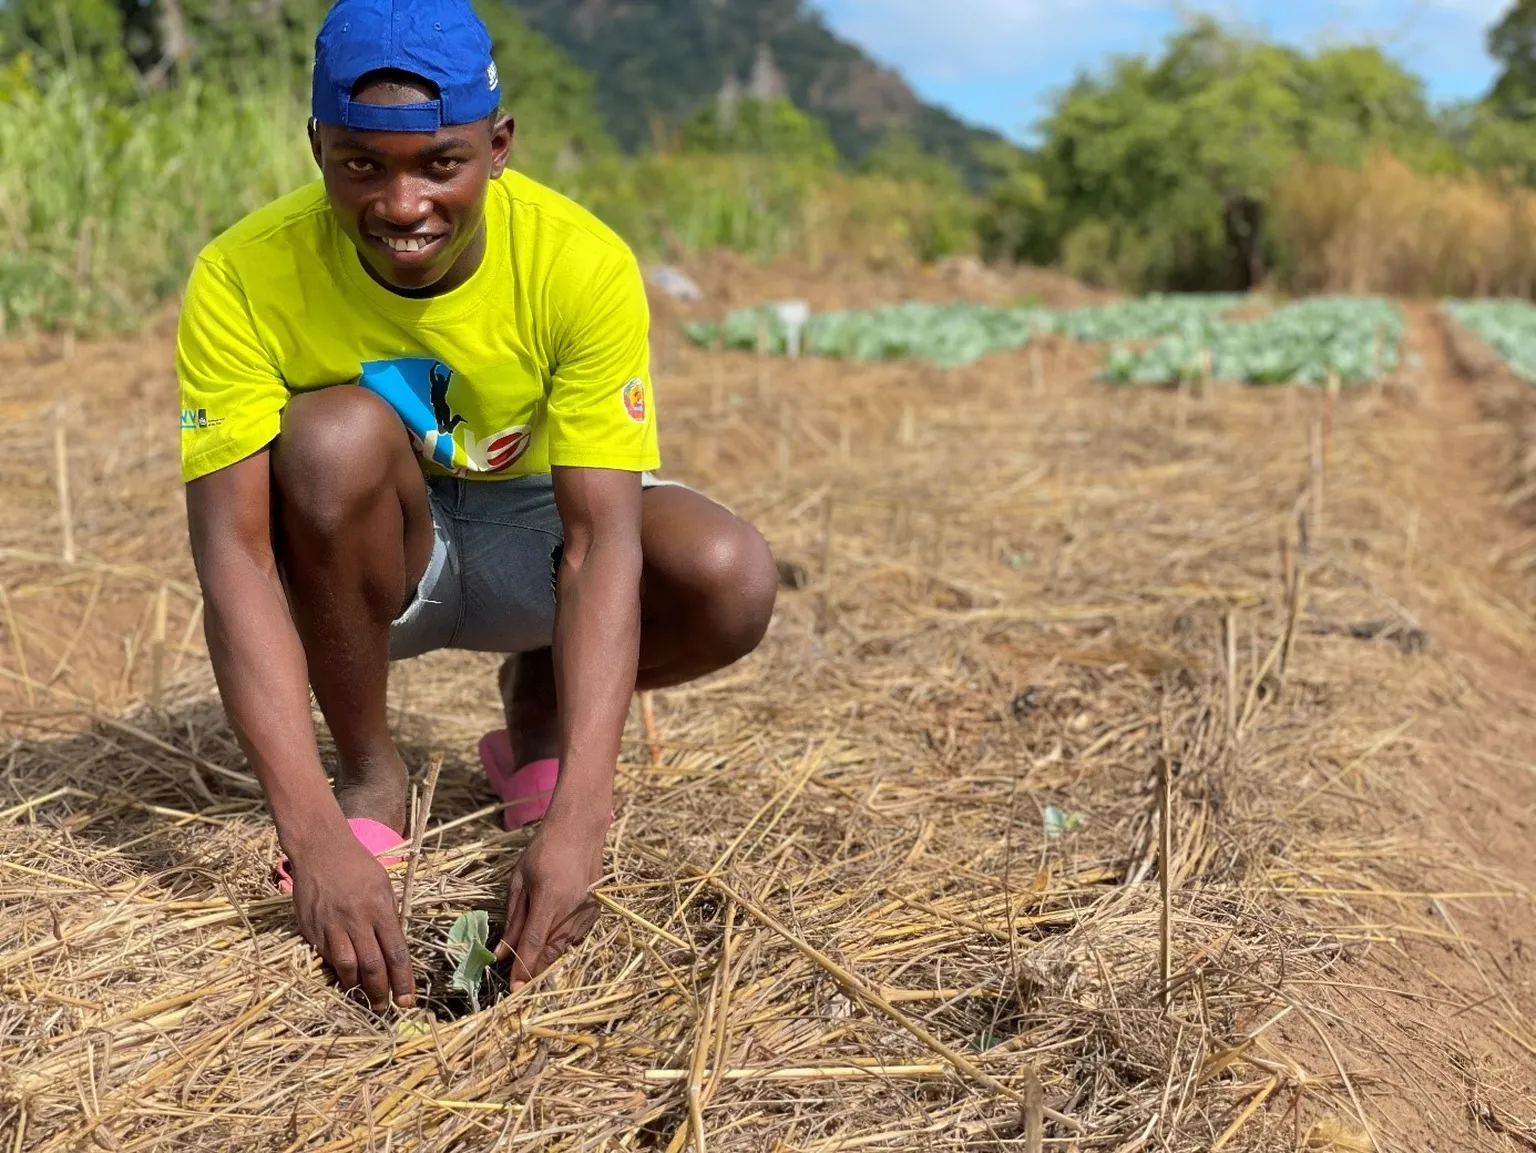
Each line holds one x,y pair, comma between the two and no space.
541,358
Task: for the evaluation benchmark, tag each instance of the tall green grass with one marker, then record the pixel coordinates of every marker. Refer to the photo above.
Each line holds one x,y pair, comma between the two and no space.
104,207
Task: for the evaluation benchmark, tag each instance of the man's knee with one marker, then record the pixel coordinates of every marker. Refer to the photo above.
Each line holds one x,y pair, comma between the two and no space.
738,571
334,454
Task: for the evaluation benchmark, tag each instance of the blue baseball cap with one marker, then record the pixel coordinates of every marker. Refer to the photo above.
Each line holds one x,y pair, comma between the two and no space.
441,41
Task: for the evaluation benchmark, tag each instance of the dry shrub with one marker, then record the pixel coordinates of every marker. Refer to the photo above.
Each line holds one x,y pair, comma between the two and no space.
1386,228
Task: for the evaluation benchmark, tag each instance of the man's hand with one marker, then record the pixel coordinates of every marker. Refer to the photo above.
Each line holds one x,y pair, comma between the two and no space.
550,905
346,910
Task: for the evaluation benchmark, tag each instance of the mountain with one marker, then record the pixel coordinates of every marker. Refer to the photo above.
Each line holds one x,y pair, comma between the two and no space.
657,61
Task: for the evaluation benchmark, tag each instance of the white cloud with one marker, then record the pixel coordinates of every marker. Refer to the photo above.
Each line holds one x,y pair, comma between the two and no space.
967,39
1024,43
1483,11
994,39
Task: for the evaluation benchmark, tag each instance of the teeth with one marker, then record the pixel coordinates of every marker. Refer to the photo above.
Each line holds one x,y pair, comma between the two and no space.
406,243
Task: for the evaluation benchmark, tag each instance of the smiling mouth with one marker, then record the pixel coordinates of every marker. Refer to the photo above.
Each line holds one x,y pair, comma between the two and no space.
408,245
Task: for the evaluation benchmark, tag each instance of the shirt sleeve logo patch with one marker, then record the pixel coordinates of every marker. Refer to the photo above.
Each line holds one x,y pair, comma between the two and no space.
633,393
197,420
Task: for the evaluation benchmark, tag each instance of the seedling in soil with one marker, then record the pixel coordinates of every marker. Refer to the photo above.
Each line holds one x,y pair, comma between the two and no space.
466,948
1059,822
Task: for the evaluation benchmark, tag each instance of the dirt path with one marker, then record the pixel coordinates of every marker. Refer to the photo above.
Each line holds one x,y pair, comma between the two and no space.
1486,617
1468,794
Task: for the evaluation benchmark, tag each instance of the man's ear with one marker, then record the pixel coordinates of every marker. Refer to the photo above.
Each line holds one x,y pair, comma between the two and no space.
502,130
314,143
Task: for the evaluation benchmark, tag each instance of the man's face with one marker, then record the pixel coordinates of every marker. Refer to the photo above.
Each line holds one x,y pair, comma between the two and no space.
411,202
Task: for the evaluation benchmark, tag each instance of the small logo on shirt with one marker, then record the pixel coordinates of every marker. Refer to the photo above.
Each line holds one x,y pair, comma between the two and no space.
633,393
501,451
195,419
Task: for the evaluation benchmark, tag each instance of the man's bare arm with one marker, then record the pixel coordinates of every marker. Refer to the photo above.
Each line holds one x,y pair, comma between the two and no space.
596,653
342,897
256,654
597,634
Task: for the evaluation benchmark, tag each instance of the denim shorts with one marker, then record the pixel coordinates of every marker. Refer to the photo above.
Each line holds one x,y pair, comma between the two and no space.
489,585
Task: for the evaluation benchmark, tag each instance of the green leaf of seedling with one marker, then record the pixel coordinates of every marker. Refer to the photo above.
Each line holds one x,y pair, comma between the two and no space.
472,928
1059,822
466,946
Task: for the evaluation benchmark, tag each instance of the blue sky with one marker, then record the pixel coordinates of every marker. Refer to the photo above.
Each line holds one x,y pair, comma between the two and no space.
996,61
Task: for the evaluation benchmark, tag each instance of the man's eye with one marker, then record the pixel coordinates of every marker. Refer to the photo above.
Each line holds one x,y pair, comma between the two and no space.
359,166
446,164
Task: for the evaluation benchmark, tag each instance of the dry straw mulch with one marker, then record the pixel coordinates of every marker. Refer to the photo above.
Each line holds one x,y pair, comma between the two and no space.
837,917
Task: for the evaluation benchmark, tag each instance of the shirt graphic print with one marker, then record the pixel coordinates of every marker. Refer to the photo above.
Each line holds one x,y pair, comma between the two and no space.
421,392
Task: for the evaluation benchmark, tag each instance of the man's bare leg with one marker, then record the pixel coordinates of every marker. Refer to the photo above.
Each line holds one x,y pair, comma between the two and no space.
709,583
354,536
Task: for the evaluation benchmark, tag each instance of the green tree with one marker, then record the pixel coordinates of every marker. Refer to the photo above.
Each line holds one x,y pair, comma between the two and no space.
1161,170
87,34
1017,221
1512,42
1360,99
273,41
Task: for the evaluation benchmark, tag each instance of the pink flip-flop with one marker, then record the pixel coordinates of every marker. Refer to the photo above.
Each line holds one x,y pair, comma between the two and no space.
375,836
525,790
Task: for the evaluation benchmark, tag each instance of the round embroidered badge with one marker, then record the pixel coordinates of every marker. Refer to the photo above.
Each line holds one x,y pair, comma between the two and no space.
634,399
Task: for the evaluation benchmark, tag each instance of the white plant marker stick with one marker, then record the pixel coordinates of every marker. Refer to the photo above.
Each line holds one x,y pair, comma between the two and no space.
792,315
